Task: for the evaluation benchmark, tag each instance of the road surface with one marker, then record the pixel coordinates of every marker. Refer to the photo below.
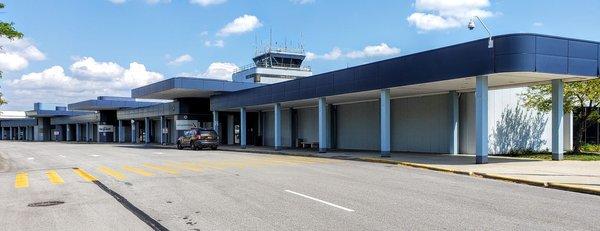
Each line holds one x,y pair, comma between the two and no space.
60,186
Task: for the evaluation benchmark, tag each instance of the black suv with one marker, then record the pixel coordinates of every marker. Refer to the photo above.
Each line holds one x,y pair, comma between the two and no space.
198,138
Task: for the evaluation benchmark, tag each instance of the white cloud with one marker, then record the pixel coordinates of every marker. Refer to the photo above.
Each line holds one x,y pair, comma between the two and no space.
538,24
240,25
88,67
220,70
372,51
444,14
302,1
369,51
216,70
15,55
118,1
207,2
88,78
215,43
136,76
185,58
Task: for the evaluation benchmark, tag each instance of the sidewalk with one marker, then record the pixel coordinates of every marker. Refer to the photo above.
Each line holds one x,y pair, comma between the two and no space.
582,176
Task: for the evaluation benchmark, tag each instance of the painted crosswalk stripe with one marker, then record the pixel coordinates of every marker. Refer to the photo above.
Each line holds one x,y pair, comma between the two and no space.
54,178
138,171
85,175
111,172
185,166
161,168
21,180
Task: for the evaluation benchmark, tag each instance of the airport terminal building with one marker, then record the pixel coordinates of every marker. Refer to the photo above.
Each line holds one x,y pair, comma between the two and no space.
463,98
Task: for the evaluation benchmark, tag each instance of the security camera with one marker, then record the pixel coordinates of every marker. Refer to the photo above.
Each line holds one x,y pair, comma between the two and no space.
471,25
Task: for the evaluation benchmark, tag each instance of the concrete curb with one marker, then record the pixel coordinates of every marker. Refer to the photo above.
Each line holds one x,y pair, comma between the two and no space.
512,179
542,184
573,188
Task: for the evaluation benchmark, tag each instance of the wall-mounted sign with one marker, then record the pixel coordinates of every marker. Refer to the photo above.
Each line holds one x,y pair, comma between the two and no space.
165,130
185,124
106,128
56,133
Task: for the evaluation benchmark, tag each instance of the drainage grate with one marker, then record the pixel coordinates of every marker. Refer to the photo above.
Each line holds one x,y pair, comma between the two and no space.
45,203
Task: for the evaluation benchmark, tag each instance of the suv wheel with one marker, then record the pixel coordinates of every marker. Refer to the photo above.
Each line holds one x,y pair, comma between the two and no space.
179,146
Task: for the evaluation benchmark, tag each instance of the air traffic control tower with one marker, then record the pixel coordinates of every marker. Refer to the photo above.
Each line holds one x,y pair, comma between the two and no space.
274,65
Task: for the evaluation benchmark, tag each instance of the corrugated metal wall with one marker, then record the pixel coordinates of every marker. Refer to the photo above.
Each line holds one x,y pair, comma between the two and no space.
421,124
358,126
308,124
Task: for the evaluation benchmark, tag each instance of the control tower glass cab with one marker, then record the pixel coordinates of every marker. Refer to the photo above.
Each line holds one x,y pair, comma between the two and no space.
274,66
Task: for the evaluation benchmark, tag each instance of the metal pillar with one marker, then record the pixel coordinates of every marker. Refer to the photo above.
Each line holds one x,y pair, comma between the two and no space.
87,132
133,132
215,115
557,119
147,130
385,122
454,120
481,120
1,133
121,132
68,135
322,125
77,132
243,127
277,120
10,133
162,127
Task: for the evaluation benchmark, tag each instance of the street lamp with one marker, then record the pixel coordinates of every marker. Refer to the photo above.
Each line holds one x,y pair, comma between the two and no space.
471,26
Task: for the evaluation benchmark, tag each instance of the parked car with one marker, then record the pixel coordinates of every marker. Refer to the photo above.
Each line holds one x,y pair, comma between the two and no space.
198,138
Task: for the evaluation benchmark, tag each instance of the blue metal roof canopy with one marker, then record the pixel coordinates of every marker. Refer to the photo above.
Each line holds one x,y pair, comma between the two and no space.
527,58
108,103
188,87
51,110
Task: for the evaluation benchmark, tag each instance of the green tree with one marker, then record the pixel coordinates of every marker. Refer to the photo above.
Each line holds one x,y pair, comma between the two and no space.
579,98
7,30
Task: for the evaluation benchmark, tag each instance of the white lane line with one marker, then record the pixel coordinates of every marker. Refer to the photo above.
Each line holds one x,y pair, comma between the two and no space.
63,156
322,201
94,155
158,153
30,158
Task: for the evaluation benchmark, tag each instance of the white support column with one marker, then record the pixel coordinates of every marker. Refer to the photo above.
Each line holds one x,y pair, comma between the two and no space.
557,119
97,132
243,127
133,132
77,132
454,119
87,132
10,133
215,115
68,135
385,122
121,132
277,120
162,127
481,120
322,125
147,130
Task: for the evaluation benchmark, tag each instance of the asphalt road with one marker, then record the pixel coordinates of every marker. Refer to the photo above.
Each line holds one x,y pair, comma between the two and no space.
125,187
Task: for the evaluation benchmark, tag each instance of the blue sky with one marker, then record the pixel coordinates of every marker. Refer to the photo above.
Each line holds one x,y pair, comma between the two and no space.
76,50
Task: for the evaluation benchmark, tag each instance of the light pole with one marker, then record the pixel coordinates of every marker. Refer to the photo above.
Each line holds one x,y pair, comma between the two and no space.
471,26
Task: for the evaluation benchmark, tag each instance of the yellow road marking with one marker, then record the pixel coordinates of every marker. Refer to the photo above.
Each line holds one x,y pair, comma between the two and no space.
53,177
186,166
111,172
138,171
161,168
85,175
21,180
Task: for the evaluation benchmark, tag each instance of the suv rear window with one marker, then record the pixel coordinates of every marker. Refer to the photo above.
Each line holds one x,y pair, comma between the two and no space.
208,133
